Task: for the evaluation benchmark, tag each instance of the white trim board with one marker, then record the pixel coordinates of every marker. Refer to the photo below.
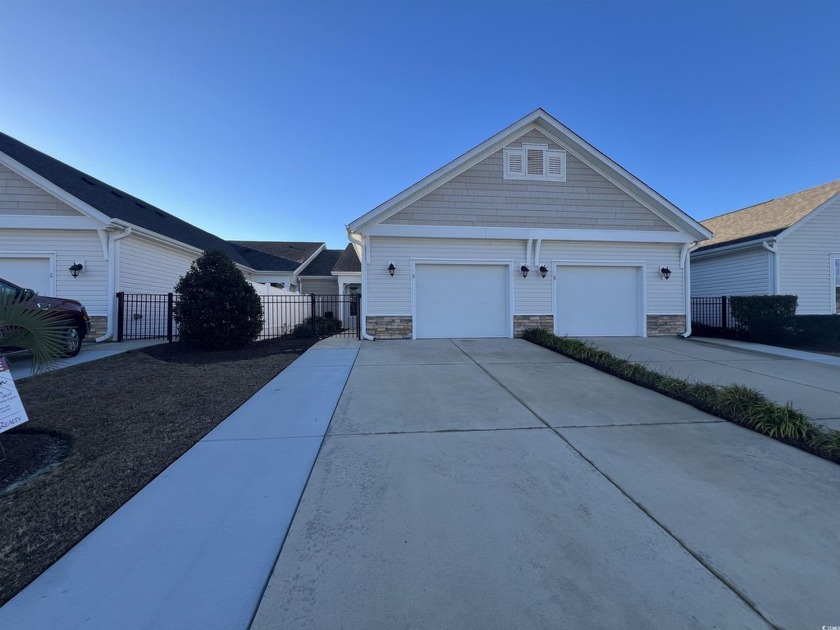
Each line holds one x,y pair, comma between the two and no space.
507,233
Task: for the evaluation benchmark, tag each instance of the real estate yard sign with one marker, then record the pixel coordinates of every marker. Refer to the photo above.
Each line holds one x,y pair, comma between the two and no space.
12,412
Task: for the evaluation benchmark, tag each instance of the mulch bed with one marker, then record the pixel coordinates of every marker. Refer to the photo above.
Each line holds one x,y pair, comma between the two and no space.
100,431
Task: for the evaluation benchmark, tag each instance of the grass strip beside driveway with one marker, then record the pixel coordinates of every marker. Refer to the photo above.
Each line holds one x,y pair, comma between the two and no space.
127,418
736,403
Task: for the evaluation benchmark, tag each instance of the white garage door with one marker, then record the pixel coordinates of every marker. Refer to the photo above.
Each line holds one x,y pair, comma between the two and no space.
461,301
598,301
29,273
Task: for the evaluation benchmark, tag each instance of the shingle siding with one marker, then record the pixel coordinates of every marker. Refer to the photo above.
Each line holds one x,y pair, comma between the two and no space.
745,272
19,196
482,197
805,261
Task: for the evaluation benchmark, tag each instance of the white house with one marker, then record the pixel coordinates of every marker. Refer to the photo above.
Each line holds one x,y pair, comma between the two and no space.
786,246
532,228
54,217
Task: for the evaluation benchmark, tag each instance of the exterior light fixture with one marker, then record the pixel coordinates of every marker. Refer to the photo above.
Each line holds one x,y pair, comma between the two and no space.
524,269
391,269
75,269
543,270
664,273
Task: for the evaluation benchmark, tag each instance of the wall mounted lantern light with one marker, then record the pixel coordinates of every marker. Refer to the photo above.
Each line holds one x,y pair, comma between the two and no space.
664,273
543,270
76,269
391,269
524,269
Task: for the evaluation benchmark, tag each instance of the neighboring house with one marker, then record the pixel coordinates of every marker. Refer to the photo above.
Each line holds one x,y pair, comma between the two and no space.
54,217
448,256
786,246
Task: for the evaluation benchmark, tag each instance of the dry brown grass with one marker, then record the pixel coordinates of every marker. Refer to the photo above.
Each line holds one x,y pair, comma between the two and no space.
128,417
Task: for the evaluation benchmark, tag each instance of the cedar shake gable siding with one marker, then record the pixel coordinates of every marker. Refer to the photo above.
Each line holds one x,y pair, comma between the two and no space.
482,197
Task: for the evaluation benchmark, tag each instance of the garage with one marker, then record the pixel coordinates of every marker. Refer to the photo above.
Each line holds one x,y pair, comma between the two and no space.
29,272
599,301
462,300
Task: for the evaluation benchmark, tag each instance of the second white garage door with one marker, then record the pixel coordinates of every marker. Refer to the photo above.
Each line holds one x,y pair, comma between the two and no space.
29,273
453,300
598,301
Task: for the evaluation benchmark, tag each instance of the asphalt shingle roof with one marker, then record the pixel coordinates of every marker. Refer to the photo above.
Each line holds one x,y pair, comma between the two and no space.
768,218
298,251
113,202
348,261
323,263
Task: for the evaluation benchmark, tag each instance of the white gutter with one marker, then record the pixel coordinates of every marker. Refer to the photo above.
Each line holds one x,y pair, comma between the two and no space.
685,265
772,246
364,258
112,282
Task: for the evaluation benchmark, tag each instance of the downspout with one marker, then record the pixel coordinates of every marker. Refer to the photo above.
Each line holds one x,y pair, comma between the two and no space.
685,265
772,247
537,254
528,253
363,307
112,282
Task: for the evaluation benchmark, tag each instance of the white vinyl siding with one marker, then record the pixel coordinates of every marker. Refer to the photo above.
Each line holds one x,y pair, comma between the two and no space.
68,246
744,272
149,267
19,196
481,196
532,295
805,261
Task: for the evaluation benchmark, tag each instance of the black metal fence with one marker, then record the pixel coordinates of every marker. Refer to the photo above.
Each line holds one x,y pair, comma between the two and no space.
713,316
151,316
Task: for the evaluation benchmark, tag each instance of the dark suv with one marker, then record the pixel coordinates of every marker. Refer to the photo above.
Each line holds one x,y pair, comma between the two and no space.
69,312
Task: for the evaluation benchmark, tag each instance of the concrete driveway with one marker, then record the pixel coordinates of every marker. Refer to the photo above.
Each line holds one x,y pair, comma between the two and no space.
812,387
495,484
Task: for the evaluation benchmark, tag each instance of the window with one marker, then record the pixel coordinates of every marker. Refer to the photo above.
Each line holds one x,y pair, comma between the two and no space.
535,161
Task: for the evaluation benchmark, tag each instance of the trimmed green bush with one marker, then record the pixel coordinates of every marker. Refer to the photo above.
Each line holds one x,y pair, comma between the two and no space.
324,327
218,308
736,403
804,331
747,309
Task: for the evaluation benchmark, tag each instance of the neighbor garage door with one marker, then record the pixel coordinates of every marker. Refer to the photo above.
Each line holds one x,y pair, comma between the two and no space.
598,301
29,273
454,300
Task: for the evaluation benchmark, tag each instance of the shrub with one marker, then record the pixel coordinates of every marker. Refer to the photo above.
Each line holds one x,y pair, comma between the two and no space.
324,327
218,308
814,331
747,309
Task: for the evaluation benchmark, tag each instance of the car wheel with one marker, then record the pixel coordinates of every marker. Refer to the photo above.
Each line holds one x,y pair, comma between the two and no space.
72,342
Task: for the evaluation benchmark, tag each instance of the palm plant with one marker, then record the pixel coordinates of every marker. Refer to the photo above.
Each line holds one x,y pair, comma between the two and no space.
25,328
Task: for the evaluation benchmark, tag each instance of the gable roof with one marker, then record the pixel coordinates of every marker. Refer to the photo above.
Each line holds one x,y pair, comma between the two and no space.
112,202
348,262
298,251
262,261
766,219
540,120
323,263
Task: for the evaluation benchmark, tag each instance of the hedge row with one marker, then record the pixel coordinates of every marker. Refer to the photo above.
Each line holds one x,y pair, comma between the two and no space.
736,403
805,331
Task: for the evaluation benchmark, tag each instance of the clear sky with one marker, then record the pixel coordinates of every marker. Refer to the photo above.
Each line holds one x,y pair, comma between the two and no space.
287,120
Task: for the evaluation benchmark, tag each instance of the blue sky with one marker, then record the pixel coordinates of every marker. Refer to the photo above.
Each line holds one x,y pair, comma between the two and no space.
287,120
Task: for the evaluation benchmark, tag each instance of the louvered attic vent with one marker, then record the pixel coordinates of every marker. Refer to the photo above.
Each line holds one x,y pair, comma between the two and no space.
535,161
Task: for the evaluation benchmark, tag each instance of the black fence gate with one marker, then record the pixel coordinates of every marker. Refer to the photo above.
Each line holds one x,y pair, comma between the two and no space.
151,316
712,316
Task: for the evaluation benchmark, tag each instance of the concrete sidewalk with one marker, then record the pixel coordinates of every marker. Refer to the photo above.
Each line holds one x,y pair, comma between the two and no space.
495,484
195,547
810,382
